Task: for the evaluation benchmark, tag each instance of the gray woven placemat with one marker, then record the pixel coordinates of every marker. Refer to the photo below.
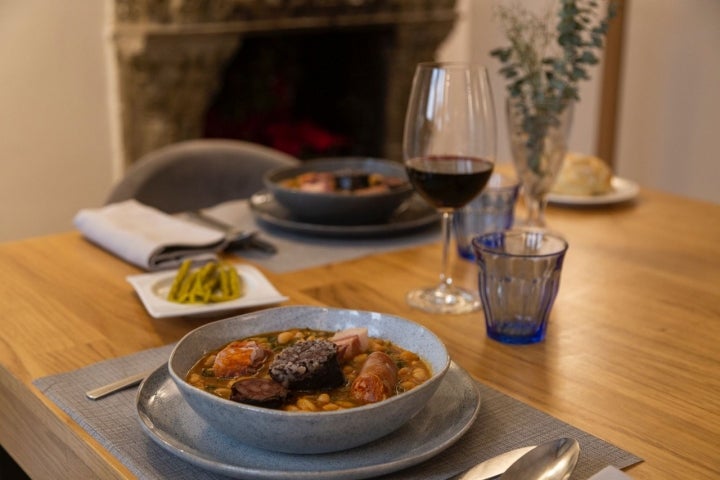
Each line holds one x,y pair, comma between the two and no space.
503,424
298,251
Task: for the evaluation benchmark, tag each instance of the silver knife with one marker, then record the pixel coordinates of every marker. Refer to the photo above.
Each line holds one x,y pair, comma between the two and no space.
493,467
113,387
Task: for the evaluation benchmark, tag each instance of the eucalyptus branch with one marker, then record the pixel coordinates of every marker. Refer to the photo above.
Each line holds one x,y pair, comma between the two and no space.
543,66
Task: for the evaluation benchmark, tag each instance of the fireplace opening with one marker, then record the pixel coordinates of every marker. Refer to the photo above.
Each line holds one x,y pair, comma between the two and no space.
312,78
311,95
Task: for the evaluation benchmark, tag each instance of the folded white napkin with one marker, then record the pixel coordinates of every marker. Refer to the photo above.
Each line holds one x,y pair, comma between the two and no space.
610,473
148,237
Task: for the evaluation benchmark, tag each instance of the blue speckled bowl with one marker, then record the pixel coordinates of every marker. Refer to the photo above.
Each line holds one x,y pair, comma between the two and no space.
307,432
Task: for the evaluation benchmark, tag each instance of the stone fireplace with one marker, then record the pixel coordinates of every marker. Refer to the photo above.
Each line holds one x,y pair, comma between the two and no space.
196,68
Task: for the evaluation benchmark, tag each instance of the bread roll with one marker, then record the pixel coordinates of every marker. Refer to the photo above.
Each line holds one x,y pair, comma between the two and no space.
583,175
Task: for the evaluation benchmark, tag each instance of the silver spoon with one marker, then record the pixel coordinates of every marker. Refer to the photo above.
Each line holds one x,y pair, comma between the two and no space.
554,460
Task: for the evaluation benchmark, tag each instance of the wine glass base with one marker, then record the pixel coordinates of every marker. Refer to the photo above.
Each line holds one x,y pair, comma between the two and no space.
443,299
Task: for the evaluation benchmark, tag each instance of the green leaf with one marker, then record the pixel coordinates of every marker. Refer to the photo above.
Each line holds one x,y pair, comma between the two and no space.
579,73
509,72
503,54
588,57
559,85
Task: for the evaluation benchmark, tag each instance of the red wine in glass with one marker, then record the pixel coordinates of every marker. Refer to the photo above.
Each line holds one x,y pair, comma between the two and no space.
448,181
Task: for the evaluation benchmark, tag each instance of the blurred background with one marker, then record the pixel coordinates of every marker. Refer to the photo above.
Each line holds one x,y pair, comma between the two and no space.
61,117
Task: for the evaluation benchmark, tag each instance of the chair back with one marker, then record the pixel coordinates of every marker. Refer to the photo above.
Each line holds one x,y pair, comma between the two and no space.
198,174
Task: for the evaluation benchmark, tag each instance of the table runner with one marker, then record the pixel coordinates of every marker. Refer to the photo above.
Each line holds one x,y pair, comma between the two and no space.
297,251
502,424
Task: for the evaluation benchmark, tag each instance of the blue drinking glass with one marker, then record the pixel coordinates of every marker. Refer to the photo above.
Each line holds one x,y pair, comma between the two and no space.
518,280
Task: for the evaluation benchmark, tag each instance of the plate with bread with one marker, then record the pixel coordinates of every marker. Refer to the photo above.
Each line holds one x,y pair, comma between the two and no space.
588,180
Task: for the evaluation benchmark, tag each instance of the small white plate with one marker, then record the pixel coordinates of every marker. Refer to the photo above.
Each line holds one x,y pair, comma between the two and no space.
622,191
154,287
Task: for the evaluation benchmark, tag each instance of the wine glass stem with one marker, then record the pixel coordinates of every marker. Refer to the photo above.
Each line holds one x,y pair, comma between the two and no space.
447,217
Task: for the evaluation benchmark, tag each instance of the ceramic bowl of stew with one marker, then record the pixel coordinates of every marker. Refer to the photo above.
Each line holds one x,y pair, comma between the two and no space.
341,190
315,430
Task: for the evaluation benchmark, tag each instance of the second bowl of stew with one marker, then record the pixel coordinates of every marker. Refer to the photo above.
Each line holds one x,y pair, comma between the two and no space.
341,190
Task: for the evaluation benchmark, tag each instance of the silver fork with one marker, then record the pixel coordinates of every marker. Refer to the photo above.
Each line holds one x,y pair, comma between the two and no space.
236,236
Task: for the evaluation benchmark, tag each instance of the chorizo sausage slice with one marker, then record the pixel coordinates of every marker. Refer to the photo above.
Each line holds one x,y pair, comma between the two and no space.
240,358
376,380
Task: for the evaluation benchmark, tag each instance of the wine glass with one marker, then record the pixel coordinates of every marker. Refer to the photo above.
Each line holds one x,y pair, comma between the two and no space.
449,152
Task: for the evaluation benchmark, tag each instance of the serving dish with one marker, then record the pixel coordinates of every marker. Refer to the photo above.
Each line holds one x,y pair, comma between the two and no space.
414,214
446,417
152,288
304,431
339,208
623,190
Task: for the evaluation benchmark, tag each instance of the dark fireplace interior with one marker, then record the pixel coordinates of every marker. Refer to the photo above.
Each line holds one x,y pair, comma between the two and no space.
309,94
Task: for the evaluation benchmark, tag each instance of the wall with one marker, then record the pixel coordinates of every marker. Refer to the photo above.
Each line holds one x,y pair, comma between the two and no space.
55,143
56,134
670,103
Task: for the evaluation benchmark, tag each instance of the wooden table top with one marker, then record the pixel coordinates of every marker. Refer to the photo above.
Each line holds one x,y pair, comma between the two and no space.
631,353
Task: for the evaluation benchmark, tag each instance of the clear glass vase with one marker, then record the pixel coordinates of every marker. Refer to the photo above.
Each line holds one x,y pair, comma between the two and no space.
538,142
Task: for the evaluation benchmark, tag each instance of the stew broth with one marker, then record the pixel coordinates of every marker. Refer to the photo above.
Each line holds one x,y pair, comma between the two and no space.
412,370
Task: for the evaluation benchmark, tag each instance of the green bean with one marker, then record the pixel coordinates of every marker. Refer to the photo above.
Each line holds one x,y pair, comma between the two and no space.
198,291
234,284
182,272
213,282
207,271
224,282
185,287
209,288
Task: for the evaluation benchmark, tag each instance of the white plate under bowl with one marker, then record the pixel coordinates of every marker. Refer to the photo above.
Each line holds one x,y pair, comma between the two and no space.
152,288
172,424
623,190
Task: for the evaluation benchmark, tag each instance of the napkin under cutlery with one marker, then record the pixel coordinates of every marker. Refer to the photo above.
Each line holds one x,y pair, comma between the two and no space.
147,237
610,473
